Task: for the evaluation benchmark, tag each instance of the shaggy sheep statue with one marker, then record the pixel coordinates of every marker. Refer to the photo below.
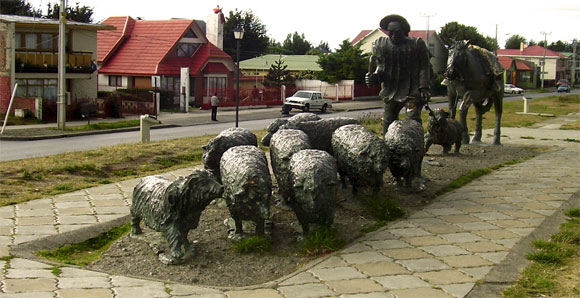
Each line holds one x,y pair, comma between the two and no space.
173,208
283,145
443,131
360,155
231,137
320,131
404,140
247,186
275,125
314,180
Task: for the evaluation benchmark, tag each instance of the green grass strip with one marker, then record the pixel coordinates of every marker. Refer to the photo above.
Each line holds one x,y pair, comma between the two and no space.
321,240
253,244
88,251
105,125
549,258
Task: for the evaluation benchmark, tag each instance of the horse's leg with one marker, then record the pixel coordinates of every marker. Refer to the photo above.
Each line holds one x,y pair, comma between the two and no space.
498,103
478,118
452,97
463,115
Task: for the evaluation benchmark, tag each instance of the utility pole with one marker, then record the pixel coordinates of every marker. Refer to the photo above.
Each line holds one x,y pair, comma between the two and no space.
426,15
61,104
544,59
573,79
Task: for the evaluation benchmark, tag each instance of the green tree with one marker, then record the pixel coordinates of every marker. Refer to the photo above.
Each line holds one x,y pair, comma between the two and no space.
454,31
77,13
514,42
297,44
347,63
19,7
560,46
492,42
278,74
322,48
255,42
275,47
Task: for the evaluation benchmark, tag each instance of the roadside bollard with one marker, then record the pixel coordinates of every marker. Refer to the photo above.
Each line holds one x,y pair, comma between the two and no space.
526,105
146,122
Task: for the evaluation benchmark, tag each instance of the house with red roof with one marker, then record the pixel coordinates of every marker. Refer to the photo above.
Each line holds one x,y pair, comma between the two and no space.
519,72
138,51
555,63
436,46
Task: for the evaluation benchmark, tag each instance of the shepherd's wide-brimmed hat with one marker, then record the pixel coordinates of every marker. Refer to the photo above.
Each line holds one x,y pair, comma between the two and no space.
395,18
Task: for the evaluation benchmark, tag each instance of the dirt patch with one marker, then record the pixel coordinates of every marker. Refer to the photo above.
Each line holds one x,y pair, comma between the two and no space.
216,264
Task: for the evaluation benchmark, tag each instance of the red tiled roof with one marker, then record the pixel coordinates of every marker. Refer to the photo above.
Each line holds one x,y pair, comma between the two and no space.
360,36
422,34
108,41
532,51
140,47
413,33
522,65
506,62
172,65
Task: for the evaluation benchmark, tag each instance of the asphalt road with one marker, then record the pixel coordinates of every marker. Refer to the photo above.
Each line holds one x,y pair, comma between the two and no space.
15,150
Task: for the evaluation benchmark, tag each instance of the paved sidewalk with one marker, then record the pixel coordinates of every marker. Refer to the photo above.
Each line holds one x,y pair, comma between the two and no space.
474,235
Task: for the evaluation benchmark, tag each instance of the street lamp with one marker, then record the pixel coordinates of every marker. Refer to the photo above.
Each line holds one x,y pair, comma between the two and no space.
238,35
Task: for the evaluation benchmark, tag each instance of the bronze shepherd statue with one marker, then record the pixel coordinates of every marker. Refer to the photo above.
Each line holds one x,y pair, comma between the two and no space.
402,68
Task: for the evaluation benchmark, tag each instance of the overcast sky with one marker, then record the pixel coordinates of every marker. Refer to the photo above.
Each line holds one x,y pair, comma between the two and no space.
332,22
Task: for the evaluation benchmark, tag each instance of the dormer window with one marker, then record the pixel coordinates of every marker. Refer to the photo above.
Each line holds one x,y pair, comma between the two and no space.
186,49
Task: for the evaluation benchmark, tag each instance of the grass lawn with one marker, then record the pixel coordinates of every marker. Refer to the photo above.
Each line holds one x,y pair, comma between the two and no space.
41,177
555,268
557,105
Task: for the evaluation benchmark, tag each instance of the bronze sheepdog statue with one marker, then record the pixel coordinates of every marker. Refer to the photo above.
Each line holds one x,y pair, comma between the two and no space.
173,208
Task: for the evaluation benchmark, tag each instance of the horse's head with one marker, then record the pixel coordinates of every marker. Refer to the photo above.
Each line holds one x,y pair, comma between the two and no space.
457,60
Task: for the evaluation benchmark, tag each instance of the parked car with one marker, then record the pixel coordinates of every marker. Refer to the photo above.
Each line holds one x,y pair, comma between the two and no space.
511,88
306,100
563,88
563,82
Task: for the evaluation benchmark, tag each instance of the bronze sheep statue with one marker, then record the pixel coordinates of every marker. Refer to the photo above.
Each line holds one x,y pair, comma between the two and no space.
173,208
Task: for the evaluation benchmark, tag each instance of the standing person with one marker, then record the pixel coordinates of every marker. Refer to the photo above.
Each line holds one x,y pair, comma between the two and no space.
255,94
215,101
402,68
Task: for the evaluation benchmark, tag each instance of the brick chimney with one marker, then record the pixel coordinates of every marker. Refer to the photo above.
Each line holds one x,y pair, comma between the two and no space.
215,28
523,46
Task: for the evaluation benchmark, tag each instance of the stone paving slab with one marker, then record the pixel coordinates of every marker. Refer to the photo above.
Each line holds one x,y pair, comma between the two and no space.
440,250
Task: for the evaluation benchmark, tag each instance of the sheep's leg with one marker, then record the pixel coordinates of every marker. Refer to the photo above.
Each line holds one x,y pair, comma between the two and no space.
135,228
446,148
239,228
260,227
174,237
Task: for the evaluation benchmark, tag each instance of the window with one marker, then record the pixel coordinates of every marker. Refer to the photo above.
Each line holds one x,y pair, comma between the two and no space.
115,81
47,41
186,49
170,83
46,88
36,41
215,84
30,41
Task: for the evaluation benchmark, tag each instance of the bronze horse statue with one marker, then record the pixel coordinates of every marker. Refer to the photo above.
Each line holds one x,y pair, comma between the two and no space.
474,76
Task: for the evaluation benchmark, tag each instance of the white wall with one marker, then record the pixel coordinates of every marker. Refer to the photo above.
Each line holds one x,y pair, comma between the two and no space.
344,88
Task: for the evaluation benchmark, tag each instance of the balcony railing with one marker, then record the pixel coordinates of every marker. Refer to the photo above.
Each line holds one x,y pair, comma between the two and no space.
37,61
